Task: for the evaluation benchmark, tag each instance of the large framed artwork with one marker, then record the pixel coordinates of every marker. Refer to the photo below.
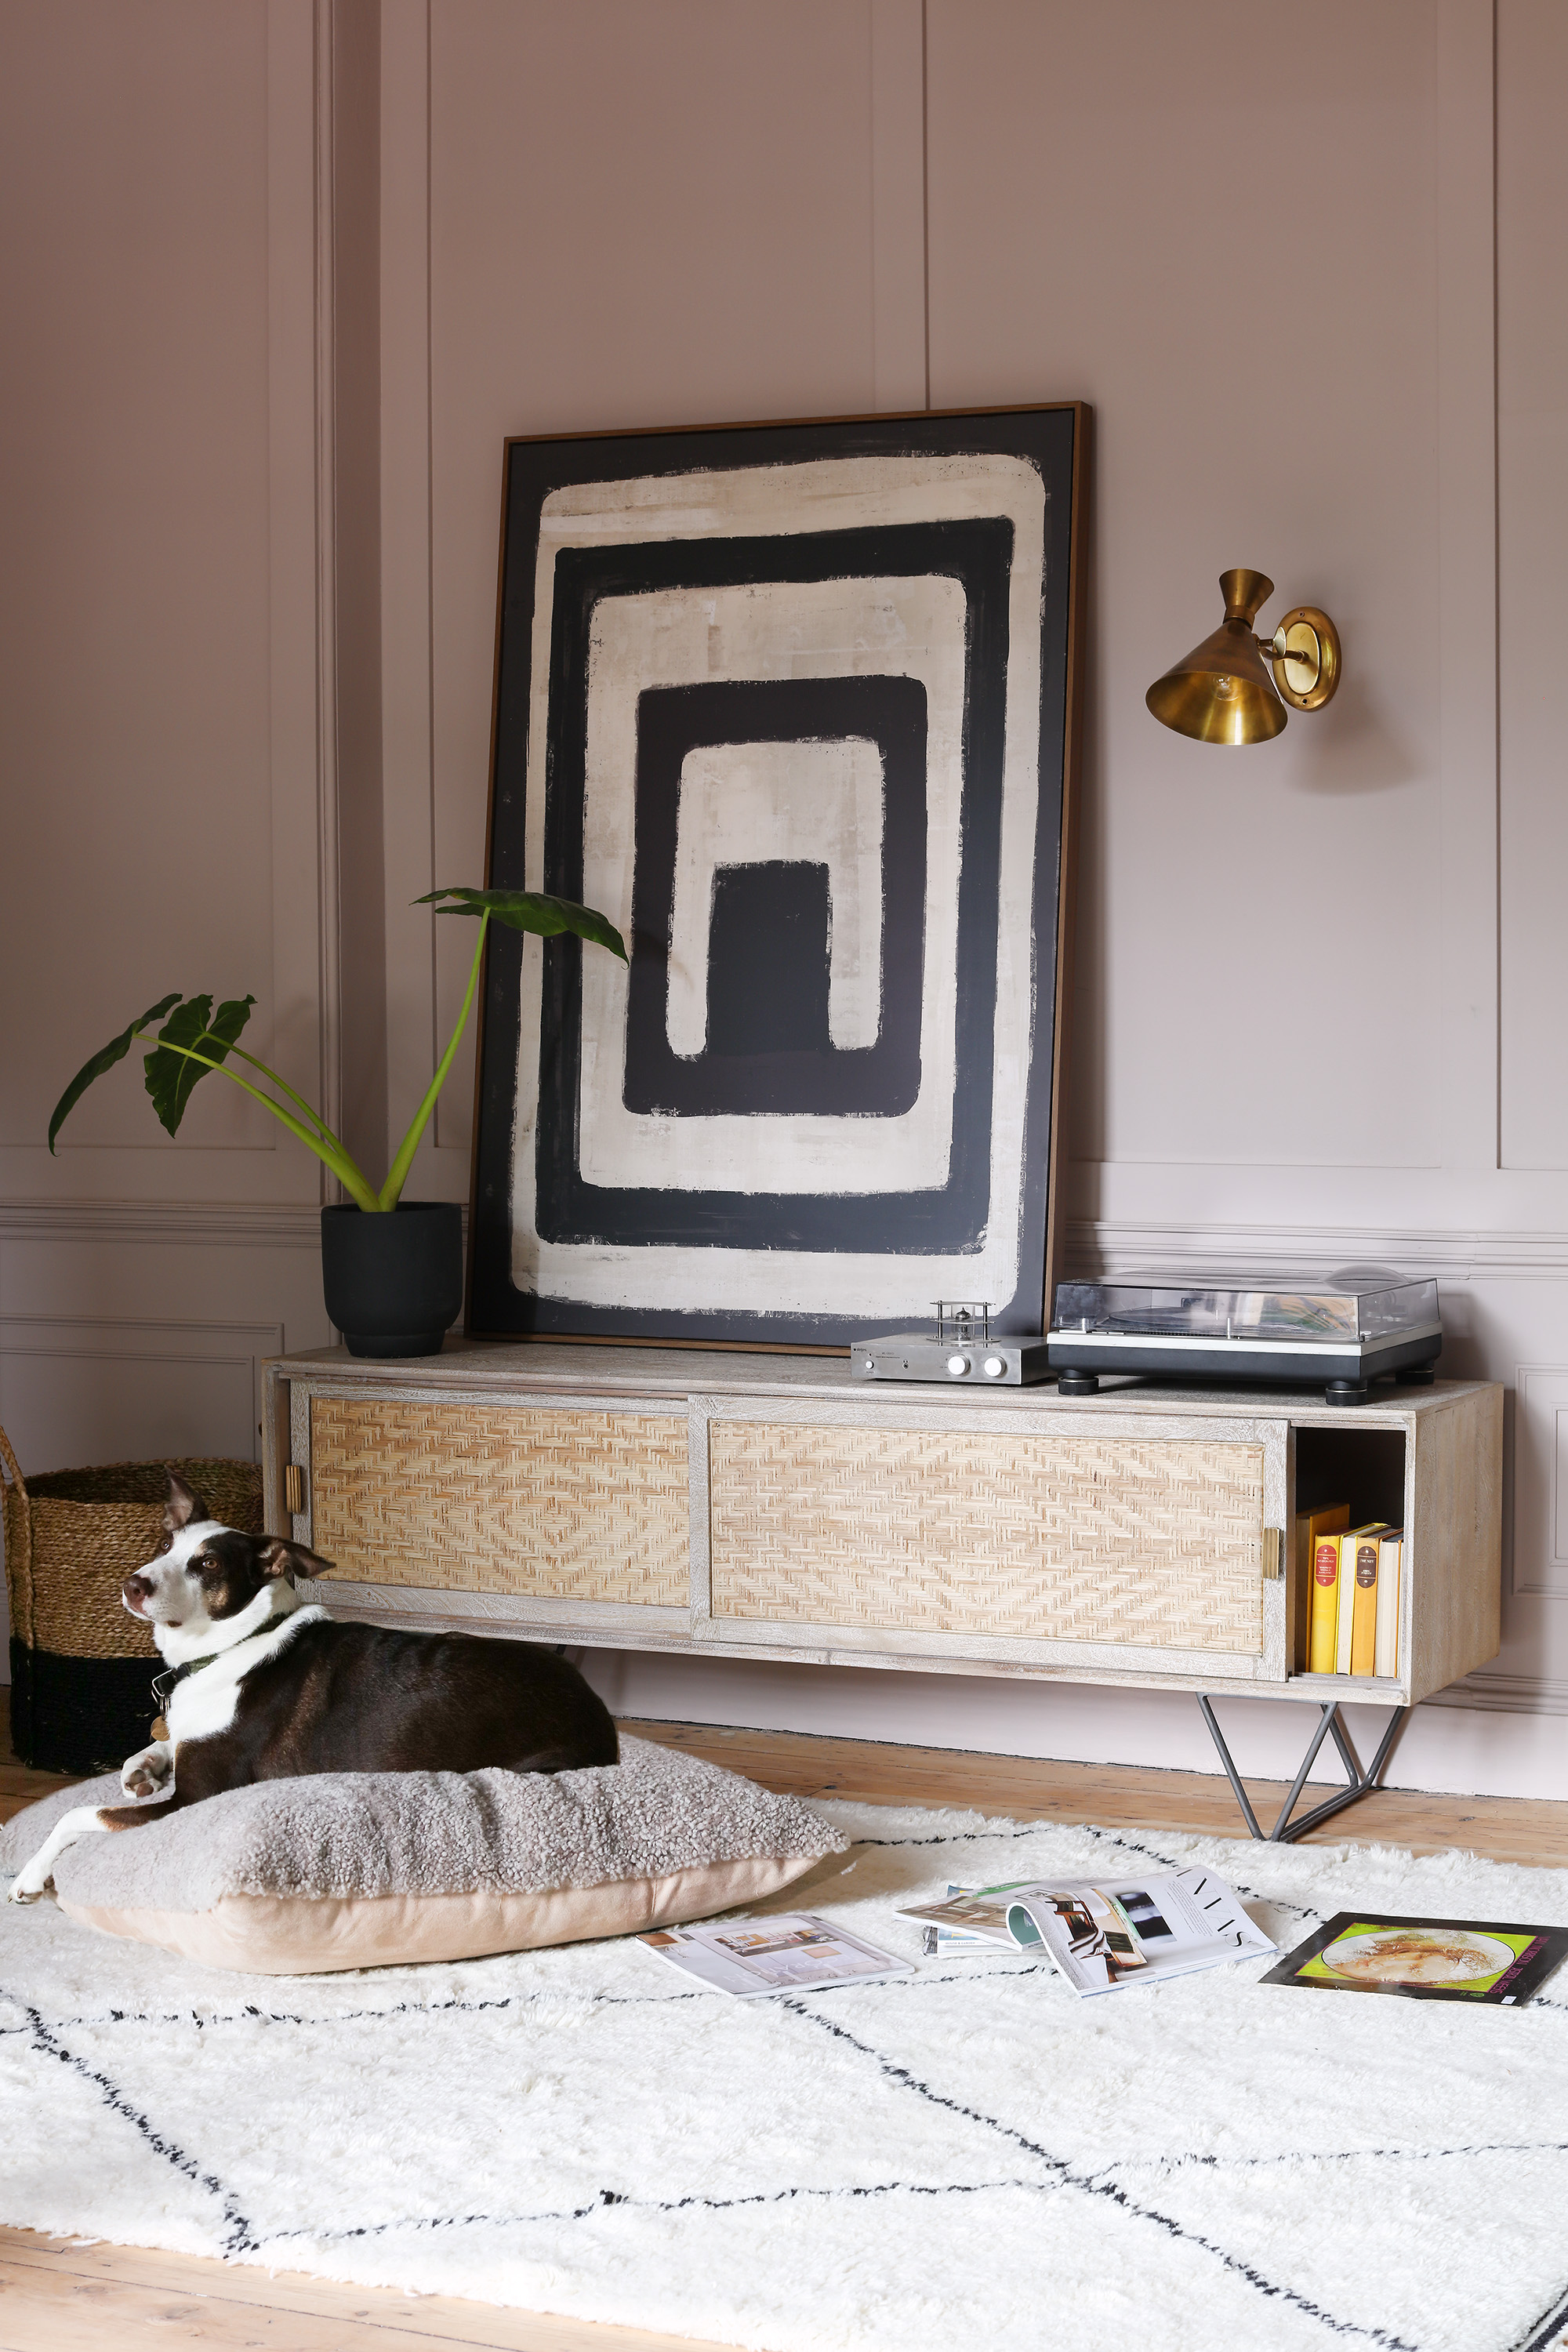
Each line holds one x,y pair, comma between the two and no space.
796,707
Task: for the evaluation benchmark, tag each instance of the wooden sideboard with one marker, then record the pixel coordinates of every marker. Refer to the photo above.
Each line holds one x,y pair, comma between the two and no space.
767,1506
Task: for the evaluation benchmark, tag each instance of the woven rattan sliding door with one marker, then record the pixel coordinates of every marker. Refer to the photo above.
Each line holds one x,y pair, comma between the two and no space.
1130,1545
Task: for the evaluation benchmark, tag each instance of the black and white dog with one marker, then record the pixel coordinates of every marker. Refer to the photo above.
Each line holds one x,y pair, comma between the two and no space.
268,1685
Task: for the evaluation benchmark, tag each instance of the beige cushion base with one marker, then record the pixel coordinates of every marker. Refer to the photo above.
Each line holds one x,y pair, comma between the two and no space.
295,1935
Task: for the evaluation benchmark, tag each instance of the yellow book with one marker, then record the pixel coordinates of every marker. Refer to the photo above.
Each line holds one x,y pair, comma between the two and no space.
1350,1547
1325,1603
1364,1602
1311,1527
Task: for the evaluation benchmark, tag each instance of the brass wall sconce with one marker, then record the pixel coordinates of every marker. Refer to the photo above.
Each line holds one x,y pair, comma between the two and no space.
1222,692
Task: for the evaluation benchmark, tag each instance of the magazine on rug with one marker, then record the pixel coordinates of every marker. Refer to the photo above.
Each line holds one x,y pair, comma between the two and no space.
972,1919
796,1952
1424,1959
1111,1932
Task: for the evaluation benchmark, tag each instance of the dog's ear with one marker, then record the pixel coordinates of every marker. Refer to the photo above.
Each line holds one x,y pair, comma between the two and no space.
181,1504
280,1558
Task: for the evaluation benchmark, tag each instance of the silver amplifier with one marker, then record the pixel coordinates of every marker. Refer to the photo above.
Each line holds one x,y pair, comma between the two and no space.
959,1351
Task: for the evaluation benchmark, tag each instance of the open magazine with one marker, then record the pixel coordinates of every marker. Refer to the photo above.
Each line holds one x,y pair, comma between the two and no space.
1113,1931
796,1952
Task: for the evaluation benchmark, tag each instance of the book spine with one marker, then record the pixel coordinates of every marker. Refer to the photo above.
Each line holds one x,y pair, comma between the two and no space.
1325,1604
1345,1614
1390,1560
1363,1605
1299,1600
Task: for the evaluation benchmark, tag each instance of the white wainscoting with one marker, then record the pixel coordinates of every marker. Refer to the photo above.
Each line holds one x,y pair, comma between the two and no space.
1539,1483
1109,1247
217,1224
134,1330
79,1389
131,1391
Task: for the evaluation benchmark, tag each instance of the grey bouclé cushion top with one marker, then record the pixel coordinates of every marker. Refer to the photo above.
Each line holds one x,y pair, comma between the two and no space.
654,1812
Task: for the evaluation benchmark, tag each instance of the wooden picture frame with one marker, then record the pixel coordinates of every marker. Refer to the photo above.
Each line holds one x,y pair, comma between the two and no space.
797,706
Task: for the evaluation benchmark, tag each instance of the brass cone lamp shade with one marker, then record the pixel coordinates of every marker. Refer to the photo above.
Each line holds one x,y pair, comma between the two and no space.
1222,692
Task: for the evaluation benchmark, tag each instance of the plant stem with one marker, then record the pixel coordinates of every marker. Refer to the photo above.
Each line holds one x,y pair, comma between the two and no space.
332,1155
398,1174
284,1088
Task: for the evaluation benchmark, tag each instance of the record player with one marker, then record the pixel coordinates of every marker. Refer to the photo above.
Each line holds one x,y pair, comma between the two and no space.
1345,1332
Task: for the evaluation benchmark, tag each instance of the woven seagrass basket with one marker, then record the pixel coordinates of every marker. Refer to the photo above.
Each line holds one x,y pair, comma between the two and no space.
81,1667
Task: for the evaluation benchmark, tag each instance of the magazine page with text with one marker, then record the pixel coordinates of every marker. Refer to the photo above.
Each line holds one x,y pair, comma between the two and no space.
1121,1931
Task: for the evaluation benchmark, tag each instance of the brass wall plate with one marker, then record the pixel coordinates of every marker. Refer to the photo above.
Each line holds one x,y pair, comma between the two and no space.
1305,657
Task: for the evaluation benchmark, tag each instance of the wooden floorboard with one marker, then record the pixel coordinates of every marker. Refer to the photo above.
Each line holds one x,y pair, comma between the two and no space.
57,2298
1120,1796
19,1786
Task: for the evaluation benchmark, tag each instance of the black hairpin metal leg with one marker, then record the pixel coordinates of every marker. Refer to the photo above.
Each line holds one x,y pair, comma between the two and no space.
1361,1783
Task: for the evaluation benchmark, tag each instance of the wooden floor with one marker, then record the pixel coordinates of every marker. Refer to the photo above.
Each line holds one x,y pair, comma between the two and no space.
57,2297
1509,1828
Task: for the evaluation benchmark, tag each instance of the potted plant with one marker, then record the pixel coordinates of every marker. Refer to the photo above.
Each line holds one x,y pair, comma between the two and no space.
393,1282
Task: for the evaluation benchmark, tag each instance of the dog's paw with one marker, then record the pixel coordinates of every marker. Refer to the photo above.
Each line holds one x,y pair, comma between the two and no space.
24,1891
144,1774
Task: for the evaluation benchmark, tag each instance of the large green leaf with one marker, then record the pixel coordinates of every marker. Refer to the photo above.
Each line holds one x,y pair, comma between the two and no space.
115,1051
170,1076
530,910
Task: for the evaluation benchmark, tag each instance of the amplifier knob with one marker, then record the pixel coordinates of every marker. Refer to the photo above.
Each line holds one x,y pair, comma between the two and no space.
870,1363
957,1365
994,1366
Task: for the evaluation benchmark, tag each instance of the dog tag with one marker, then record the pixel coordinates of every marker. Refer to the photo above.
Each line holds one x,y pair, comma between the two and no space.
160,1728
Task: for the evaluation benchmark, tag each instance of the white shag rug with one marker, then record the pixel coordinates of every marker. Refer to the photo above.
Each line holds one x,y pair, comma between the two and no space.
968,2155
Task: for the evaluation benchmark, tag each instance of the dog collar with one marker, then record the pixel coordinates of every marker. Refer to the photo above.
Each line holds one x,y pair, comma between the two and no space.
168,1681
164,1684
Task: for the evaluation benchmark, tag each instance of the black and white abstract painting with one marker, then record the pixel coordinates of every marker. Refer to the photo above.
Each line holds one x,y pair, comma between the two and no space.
792,705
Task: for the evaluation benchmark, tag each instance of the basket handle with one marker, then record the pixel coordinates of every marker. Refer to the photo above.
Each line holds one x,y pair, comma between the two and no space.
13,1467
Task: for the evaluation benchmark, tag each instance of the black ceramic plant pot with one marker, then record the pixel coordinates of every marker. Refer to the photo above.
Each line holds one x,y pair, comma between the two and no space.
393,1279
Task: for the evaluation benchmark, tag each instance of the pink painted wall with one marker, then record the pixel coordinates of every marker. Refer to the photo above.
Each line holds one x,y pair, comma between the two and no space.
133,620
160,705
1318,1001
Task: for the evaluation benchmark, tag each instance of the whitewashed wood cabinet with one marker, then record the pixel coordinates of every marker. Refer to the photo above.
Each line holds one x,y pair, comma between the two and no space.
764,1506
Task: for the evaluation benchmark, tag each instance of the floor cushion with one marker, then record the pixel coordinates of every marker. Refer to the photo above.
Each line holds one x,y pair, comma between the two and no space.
347,1870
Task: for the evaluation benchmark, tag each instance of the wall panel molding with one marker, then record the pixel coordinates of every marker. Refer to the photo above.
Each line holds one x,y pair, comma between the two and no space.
1541,1479
1468,577
302,553
1489,1693
1459,1254
1532,525
124,1345
165,214
413,1047
76,1389
196,1223
352,56
900,338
